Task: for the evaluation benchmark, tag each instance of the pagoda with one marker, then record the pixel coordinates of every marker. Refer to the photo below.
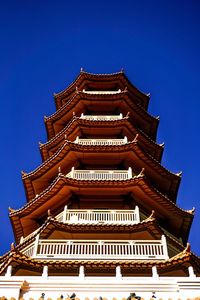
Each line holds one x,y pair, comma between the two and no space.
101,219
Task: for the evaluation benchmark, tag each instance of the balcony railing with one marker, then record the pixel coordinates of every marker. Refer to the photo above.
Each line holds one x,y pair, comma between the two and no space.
83,216
101,142
103,216
102,92
23,239
100,174
30,250
89,249
101,118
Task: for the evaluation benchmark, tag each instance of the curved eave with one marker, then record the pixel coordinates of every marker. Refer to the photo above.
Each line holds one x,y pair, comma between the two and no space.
143,118
51,224
183,259
149,225
139,184
156,150
153,168
105,228
85,76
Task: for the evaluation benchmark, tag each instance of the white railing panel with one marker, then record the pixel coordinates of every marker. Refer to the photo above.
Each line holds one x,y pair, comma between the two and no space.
101,92
101,117
101,142
87,249
29,236
29,250
100,174
100,216
60,217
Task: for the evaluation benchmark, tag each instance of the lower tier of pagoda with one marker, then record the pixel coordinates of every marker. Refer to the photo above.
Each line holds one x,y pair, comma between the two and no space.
71,239
117,194
22,264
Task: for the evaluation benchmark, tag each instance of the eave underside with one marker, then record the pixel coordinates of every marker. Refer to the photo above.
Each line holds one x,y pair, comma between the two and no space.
75,155
97,129
101,104
139,190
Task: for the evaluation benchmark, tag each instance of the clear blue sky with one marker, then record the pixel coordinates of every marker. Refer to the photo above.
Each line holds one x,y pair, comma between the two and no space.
43,45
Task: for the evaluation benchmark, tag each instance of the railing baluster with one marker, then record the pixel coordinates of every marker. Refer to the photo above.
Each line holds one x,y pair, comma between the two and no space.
45,249
54,249
69,248
154,250
121,250
136,250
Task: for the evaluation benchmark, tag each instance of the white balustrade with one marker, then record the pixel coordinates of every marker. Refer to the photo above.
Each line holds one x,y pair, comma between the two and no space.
89,249
83,216
23,239
101,142
29,250
102,117
60,217
100,174
101,92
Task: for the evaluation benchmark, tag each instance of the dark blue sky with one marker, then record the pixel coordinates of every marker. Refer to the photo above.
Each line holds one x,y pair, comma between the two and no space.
43,45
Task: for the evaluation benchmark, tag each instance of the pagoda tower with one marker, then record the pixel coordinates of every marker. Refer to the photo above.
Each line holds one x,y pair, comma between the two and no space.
101,219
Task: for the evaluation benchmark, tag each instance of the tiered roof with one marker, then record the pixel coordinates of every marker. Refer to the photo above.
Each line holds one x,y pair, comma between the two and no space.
60,191
99,102
78,126
151,186
131,154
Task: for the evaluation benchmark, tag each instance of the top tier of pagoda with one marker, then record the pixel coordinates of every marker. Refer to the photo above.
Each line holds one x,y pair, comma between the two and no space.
114,82
101,94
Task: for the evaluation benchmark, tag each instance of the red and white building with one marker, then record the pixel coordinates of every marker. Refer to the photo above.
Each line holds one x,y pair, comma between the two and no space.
101,219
